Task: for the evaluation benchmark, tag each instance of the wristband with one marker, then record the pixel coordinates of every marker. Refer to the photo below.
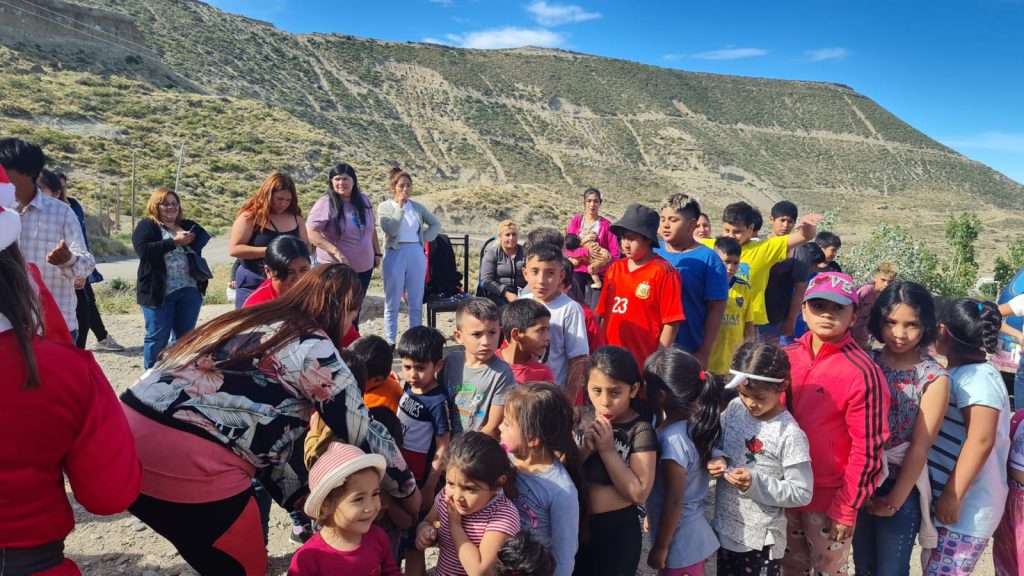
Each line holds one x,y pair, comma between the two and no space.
377,254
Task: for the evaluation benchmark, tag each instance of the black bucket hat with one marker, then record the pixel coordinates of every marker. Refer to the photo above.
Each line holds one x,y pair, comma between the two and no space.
639,219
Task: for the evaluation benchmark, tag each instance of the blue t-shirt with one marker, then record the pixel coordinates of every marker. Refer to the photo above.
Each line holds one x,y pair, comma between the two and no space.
424,417
982,508
704,278
549,508
694,539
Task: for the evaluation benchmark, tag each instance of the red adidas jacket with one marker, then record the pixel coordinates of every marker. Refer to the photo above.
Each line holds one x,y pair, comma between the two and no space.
841,401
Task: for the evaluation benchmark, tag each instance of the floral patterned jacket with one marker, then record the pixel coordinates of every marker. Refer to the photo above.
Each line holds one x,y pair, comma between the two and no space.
261,410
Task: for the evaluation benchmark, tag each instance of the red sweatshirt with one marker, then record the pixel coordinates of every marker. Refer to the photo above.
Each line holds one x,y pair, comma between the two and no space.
73,425
841,400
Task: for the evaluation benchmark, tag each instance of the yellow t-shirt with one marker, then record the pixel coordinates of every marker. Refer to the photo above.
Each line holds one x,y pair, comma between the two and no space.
738,311
757,258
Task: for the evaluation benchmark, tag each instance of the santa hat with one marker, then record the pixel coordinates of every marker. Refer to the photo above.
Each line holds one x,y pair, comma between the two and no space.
10,224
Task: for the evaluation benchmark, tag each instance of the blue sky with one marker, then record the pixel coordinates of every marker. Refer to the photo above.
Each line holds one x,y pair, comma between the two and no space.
952,69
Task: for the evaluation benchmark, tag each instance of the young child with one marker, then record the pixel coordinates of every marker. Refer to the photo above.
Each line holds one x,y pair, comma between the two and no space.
884,275
567,350
763,466
903,320
382,385
619,452
757,258
476,378
395,520
537,432
738,322
967,462
705,284
524,556
686,400
344,497
426,413
838,395
641,305
830,244
1008,541
525,324
590,253
472,518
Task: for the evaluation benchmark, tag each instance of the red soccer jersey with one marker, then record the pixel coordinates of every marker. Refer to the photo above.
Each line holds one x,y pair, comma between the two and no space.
634,305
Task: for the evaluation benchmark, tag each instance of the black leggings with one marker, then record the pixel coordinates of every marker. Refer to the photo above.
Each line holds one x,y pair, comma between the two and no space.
220,538
753,563
614,547
88,316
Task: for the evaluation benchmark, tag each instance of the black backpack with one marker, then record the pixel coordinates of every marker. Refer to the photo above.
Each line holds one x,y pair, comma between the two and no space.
445,278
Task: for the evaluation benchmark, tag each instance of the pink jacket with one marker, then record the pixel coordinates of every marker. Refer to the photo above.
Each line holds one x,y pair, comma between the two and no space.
605,238
841,400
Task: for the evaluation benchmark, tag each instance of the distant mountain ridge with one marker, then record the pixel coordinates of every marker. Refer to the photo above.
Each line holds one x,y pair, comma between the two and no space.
516,133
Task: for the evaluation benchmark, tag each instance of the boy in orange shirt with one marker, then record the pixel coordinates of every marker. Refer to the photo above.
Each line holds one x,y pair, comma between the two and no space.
382,385
641,304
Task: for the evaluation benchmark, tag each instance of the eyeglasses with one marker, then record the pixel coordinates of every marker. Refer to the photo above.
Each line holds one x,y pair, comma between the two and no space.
169,204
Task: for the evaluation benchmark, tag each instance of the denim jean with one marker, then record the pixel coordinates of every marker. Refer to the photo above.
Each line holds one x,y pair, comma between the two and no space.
882,546
404,270
169,321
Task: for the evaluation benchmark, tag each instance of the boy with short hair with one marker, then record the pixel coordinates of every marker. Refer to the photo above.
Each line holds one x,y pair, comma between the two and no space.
705,286
885,274
787,280
738,323
641,305
757,258
830,244
525,325
427,417
477,378
382,385
567,350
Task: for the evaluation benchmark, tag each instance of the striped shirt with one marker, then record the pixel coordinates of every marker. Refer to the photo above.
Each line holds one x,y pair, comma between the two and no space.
982,507
46,221
499,515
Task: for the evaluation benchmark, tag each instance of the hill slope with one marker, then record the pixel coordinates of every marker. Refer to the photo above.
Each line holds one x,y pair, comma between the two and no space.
517,133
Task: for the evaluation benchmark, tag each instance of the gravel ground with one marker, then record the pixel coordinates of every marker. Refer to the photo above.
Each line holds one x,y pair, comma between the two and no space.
121,545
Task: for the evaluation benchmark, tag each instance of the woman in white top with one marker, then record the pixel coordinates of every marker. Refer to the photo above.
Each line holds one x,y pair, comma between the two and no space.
408,226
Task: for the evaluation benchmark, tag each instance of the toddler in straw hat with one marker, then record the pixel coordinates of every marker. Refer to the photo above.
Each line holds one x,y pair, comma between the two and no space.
344,497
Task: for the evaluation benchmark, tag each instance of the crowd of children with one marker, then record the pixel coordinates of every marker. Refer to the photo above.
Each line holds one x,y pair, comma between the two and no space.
555,436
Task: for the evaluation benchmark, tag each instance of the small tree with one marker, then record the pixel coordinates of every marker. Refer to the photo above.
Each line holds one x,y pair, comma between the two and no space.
959,271
892,243
1005,269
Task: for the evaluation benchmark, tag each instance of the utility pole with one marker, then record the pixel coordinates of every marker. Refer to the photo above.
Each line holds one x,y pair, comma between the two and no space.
177,177
133,188
103,213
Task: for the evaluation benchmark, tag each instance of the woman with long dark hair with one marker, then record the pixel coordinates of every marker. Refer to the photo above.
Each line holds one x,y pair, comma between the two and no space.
232,402
342,227
60,419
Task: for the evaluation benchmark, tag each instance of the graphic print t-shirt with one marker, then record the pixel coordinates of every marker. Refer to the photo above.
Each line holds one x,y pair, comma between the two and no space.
475,390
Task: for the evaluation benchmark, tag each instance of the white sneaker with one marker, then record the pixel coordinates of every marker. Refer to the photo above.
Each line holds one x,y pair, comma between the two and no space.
108,344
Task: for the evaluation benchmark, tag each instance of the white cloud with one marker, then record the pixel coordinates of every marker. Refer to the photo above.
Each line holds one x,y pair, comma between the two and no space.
508,37
998,141
826,54
731,54
557,14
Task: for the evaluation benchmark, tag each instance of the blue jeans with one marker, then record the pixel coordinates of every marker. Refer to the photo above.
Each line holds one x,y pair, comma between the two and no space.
882,546
175,317
404,270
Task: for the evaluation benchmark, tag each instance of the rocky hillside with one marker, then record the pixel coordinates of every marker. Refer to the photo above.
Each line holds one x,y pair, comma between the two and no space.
489,134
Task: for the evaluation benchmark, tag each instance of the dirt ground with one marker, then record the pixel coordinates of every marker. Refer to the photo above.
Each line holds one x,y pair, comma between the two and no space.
121,545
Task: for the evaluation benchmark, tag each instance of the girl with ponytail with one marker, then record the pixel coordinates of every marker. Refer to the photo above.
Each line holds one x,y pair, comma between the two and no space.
685,398
763,467
619,452
967,462
537,432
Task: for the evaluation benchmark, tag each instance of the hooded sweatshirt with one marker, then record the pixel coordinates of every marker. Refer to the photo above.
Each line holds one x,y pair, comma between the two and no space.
841,400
